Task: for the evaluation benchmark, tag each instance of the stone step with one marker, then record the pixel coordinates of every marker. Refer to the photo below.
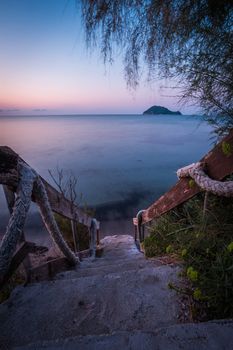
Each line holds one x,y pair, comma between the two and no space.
123,301
119,247
97,267
216,335
119,254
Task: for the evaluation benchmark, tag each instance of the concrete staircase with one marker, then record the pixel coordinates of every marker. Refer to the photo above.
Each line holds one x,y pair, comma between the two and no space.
117,301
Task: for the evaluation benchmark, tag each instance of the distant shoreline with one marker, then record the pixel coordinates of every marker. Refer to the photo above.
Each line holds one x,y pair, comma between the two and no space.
93,115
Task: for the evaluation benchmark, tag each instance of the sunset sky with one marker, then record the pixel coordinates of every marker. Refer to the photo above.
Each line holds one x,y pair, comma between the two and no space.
46,69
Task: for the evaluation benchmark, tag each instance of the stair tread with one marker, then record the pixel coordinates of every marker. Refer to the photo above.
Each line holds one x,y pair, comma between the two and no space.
121,291
207,335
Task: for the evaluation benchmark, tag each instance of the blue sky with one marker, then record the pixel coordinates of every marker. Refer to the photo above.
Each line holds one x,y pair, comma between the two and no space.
45,67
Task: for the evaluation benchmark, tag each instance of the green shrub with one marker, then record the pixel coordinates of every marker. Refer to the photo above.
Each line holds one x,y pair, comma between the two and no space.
205,244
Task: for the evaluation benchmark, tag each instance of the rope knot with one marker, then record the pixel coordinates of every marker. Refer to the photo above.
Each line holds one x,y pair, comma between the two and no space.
197,173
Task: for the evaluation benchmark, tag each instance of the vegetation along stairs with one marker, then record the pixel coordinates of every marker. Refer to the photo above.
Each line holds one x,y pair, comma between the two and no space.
118,301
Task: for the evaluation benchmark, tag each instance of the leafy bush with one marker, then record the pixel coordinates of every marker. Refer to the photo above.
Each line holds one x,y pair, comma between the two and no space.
205,244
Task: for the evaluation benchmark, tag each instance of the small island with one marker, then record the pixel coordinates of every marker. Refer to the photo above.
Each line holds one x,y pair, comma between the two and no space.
160,110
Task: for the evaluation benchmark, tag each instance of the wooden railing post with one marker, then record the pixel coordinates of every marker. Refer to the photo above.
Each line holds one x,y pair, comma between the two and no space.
140,227
98,236
75,233
10,199
93,236
17,219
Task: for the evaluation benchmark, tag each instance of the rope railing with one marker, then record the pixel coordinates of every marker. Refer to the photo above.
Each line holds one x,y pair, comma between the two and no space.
197,173
205,175
22,184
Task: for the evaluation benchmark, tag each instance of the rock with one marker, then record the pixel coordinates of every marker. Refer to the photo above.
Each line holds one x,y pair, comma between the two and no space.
160,110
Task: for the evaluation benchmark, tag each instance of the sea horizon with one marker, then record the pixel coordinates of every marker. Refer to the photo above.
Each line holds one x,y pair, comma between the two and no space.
123,162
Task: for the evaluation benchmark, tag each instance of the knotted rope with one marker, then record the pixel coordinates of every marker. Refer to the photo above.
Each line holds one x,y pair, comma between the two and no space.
49,221
18,217
196,172
29,183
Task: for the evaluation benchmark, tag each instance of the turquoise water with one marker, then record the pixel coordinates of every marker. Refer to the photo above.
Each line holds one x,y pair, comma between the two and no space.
123,162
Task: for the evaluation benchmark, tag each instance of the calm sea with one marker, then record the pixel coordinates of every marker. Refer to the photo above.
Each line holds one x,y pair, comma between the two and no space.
123,162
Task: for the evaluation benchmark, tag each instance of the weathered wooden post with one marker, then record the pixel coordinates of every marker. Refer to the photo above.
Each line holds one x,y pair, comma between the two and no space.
93,236
75,232
140,227
10,199
18,217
